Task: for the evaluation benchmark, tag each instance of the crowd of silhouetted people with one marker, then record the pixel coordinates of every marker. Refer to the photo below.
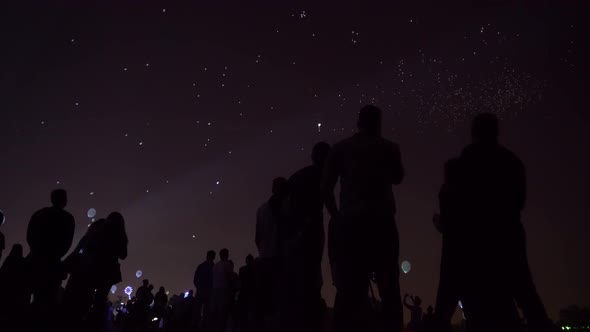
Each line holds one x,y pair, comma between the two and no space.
484,262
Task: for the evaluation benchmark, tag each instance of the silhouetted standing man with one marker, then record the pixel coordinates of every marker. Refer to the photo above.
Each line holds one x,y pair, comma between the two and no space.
203,281
221,295
49,235
496,177
247,298
363,236
269,218
306,207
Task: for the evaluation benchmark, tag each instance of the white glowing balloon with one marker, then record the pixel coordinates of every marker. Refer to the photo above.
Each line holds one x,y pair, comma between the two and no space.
138,273
406,267
128,290
460,304
113,289
91,213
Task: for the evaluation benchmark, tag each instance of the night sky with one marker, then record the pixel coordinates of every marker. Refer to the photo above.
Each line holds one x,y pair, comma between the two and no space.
179,114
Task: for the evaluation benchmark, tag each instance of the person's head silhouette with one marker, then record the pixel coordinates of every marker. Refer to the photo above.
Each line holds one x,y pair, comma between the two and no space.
484,128
249,259
224,254
430,310
162,289
279,185
115,223
211,255
145,282
320,153
369,121
59,198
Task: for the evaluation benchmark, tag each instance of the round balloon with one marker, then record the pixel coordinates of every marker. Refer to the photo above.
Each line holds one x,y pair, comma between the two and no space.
113,289
406,267
91,213
138,273
128,290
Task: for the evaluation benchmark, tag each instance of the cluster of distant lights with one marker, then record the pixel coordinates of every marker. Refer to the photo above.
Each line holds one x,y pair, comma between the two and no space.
575,328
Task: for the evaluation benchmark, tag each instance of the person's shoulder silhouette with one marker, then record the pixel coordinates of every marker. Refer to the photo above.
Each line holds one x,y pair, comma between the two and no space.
305,197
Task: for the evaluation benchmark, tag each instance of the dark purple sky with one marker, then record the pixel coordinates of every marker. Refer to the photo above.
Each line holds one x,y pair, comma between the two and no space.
143,106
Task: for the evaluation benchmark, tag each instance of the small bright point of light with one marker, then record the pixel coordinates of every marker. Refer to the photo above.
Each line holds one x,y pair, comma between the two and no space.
58,182
154,319
125,69
460,304
147,64
194,236
217,182
208,123
205,68
140,143
77,104
163,10
186,294
42,122
91,193
411,21
138,273
147,190
72,40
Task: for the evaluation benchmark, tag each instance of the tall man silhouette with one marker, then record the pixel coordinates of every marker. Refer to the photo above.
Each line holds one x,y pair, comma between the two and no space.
363,236
203,281
306,211
269,219
49,235
496,181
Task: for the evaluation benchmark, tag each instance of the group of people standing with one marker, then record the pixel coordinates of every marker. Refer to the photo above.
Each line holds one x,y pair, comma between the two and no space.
484,261
33,284
483,258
